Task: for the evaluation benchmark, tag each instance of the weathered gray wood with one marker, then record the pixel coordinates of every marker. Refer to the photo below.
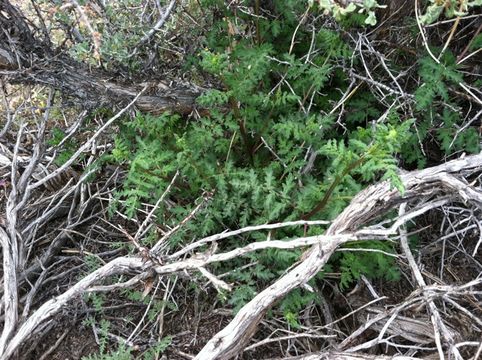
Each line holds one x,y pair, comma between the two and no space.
27,59
369,204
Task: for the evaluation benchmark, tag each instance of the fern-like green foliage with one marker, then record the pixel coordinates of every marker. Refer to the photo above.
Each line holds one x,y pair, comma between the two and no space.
451,138
440,124
250,152
373,263
68,148
436,78
123,352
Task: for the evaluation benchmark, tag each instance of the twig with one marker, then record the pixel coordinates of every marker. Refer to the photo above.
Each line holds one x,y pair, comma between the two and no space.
364,207
158,25
10,117
53,306
143,228
461,58
451,35
467,89
227,234
466,125
218,283
51,349
157,247
131,336
94,34
288,337
438,325
86,145
422,32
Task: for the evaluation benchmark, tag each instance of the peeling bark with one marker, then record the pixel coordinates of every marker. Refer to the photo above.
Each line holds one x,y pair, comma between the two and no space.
26,59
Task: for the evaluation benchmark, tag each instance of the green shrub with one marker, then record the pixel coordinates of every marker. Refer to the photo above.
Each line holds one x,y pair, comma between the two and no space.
269,113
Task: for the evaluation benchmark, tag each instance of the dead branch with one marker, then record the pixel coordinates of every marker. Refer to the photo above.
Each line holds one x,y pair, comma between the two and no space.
25,59
365,207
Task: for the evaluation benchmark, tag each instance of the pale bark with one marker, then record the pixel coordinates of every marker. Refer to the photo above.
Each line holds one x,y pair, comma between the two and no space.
369,204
